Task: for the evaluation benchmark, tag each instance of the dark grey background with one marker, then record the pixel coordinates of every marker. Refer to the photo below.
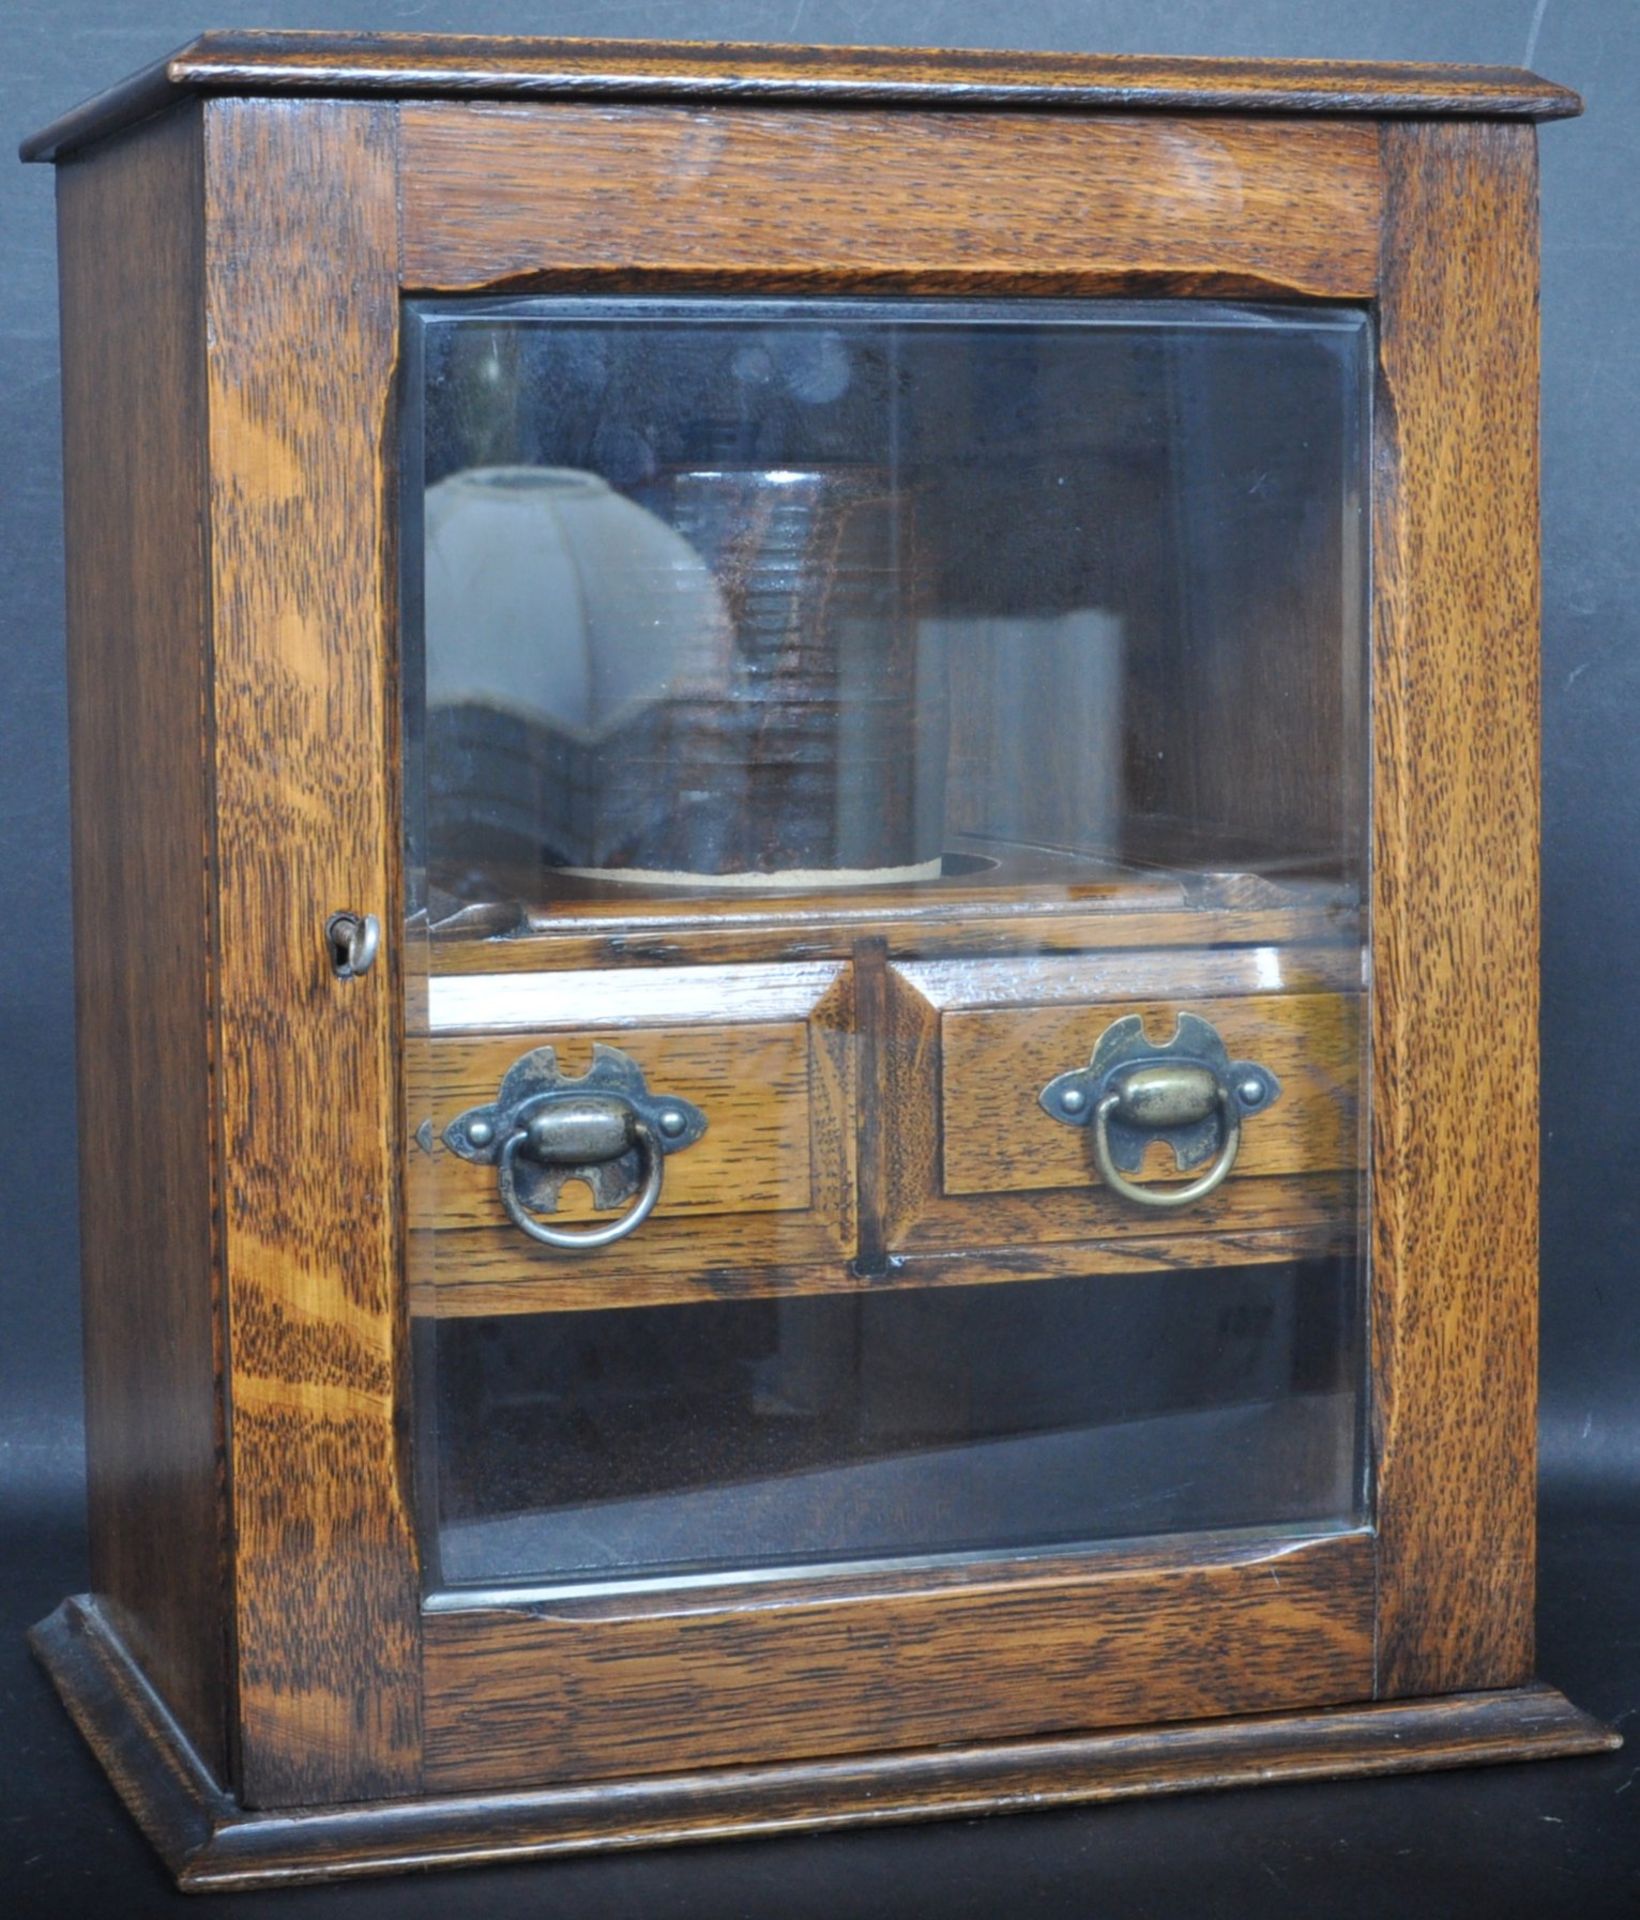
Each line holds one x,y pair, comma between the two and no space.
1538,1841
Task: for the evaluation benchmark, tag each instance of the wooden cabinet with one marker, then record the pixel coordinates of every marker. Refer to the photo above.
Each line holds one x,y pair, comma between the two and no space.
807,900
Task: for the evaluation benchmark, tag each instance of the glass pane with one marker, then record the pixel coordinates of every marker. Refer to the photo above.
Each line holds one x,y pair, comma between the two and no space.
742,595
710,1439
850,713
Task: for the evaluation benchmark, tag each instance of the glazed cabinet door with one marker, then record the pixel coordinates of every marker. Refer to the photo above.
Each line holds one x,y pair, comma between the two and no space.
885,857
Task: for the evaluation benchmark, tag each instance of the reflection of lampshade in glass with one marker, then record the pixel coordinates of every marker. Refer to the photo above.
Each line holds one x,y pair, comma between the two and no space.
553,597
561,618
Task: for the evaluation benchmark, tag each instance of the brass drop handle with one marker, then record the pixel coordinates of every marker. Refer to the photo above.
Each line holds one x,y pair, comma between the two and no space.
564,1132
1186,1091
605,1128
1190,1093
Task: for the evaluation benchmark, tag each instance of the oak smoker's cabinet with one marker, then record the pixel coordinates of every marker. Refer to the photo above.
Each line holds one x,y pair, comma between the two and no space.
805,801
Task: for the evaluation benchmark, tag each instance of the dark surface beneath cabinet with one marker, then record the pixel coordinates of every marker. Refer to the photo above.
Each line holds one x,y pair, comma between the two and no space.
1535,1842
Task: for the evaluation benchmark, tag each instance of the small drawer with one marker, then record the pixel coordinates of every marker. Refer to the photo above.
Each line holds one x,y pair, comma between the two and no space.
764,1054
984,1167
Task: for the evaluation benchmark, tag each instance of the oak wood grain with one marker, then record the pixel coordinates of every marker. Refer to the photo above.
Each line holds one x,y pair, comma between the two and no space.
355,64
232,276
877,1117
1001,1181
751,1082
208,1842
482,1275
133,312
301,264
565,1690
746,196
1000,1225
994,1062
1455,910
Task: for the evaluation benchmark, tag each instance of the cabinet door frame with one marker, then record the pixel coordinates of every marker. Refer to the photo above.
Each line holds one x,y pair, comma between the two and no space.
319,216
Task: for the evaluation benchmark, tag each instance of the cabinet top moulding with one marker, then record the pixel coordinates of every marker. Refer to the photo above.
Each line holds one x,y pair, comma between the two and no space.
472,66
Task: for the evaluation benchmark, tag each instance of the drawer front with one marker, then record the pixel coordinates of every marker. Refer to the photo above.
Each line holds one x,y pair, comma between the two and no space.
752,1083
981,1166
765,1054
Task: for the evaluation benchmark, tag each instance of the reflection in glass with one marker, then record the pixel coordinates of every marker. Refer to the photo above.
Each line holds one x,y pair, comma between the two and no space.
741,594
585,625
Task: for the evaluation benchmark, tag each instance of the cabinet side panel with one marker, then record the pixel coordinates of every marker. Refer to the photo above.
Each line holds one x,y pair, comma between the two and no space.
301,278
138,659
1455,909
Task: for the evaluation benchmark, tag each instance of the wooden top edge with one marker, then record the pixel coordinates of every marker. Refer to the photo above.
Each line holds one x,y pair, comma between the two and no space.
478,67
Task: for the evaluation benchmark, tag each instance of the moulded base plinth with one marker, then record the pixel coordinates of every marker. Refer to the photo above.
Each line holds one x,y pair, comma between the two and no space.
209,1841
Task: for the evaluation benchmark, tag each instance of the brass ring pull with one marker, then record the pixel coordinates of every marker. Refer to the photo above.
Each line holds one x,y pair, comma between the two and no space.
1197,1189
606,1129
1186,1092
585,1239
